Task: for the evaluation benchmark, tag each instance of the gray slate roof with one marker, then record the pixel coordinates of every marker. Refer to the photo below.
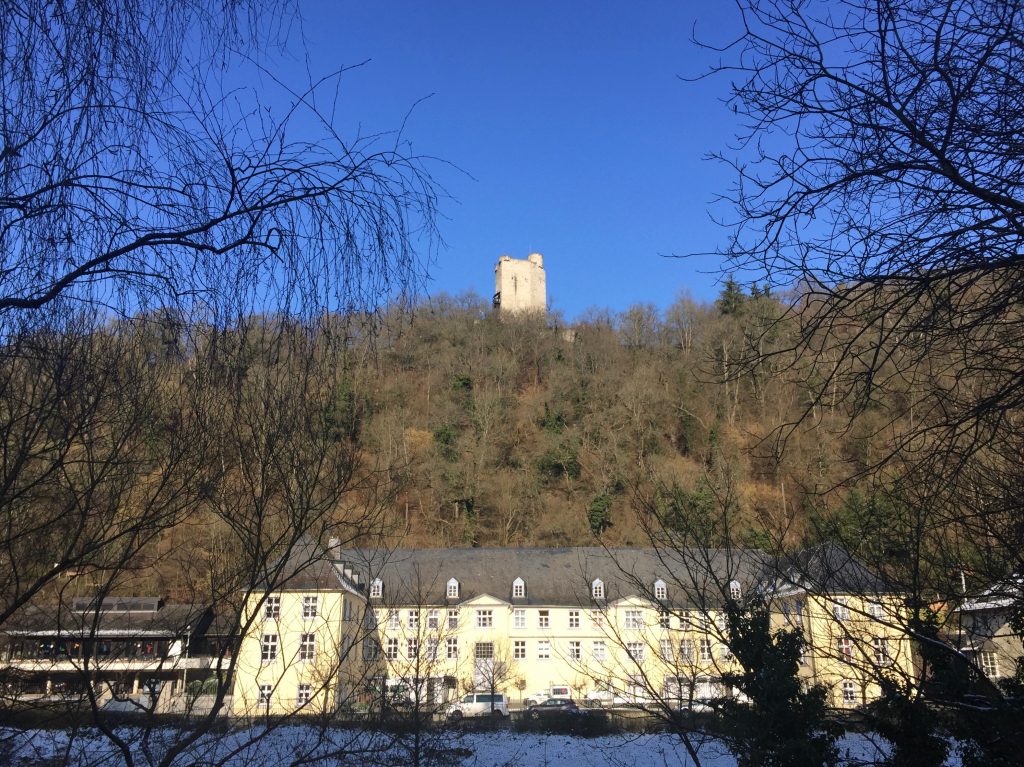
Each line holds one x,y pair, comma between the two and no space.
307,567
170,621
831,569
557,576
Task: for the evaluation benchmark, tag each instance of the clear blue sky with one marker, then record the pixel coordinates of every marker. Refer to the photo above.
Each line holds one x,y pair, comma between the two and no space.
576,135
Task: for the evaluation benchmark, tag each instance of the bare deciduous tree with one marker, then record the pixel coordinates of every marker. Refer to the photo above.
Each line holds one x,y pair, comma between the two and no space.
898,209
881,174
172,249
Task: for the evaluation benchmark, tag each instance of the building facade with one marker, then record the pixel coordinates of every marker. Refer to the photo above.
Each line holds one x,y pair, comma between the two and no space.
298,650
358,629
982,630
635,626
139,653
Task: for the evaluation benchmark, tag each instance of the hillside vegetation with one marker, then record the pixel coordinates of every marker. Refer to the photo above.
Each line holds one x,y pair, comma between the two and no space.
524,431
446,425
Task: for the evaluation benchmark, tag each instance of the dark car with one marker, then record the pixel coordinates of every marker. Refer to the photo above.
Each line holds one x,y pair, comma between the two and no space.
551,707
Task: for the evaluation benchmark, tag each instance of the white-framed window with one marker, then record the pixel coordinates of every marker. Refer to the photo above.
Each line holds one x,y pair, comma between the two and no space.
518,589
433,619
412,648
881,648
307,646
704,621
544,618
266,694
371,649
686,650
660,590
394,621
989,663
665,619
412,620
635,686
543,649
484,619
735,591
268,648
875,610
634,619
574,619
310,607
451,648
597,589
849,692
597,618
575,649
666,651
798,613
453,589
432,648
704,650
483,650
844,646
519,618
840,609
453,618
519,649
391,648
600,650
376,588
347,609
272,607
636,651
304,694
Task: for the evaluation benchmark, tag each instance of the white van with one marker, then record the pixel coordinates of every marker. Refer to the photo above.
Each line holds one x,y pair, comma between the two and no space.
558,692
479,704
605,694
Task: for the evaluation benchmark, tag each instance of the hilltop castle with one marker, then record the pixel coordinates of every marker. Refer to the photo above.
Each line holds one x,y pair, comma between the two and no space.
519,285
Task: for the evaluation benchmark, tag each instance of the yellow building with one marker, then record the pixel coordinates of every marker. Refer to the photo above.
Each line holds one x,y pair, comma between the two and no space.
853,622
298,651
637,626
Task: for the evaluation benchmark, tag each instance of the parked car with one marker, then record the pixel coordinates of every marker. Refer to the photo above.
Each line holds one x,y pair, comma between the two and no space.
699,705
479,704
561,692
604,697
552,707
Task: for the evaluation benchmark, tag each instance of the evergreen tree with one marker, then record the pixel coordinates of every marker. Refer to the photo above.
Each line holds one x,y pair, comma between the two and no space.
781,725
599,513
730,301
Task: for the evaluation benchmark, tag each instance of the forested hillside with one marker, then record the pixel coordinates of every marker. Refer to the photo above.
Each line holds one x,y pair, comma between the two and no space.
445,425
526,431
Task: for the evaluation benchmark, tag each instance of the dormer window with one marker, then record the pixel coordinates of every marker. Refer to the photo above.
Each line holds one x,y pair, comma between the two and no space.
453,589
518,589
376,588
660,590
597,589
735,592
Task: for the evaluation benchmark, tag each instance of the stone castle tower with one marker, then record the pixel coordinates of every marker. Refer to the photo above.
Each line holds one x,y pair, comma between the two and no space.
519,285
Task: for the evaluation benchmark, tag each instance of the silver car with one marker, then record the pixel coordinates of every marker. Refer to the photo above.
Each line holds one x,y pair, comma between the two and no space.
479,704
